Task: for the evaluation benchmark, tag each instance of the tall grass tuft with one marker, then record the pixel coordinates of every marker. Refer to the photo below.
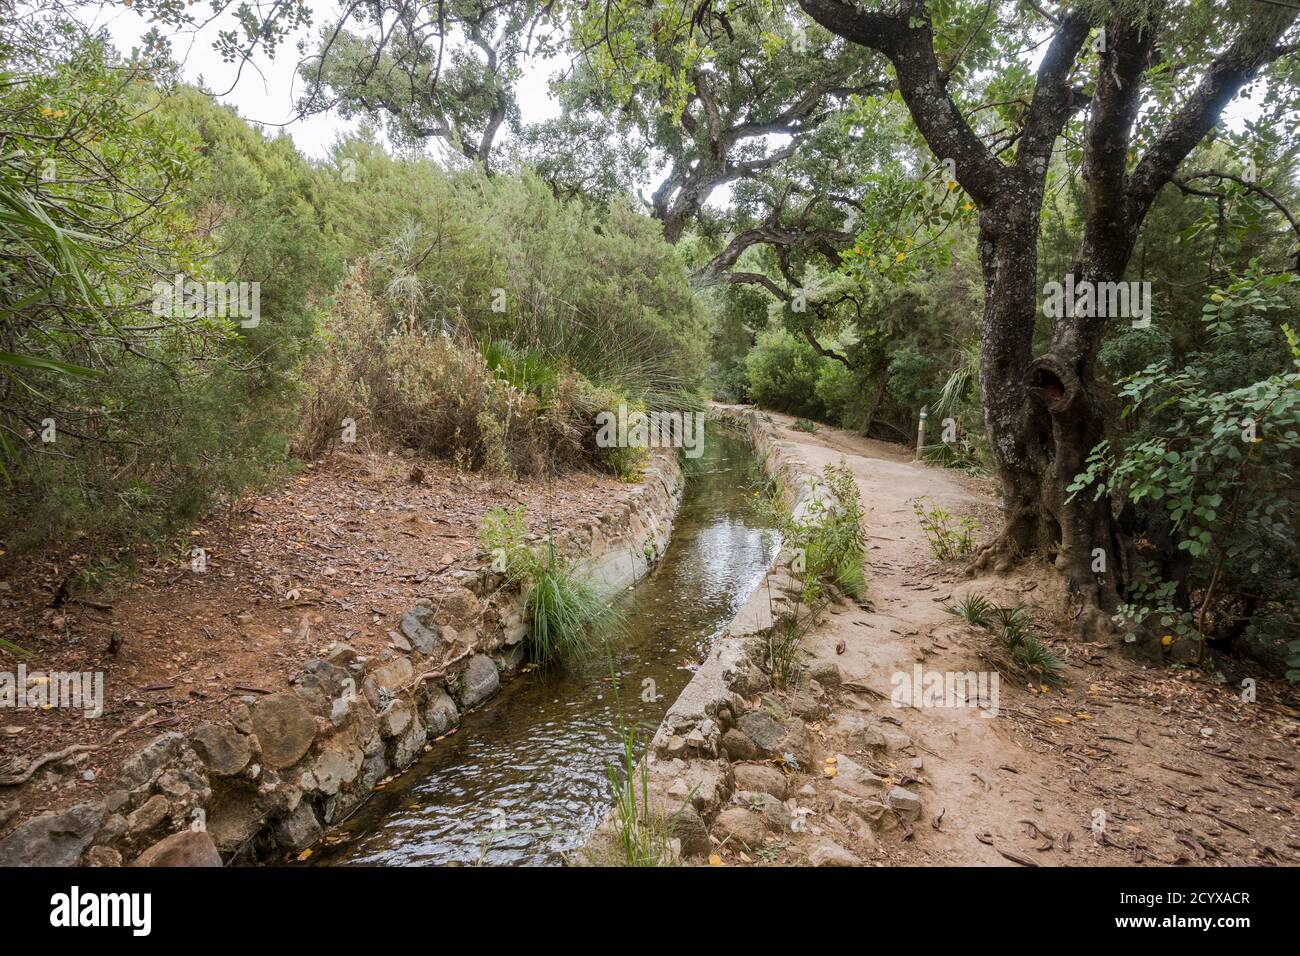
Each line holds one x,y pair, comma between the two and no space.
643,838
567,615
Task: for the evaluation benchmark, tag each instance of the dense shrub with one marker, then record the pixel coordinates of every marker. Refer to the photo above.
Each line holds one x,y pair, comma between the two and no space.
783,373
1206,471
481,320
124,419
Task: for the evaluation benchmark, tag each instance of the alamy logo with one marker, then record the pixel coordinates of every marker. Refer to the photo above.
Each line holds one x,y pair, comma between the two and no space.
222,300
637,429
922,688
66,690
1098,300
75,908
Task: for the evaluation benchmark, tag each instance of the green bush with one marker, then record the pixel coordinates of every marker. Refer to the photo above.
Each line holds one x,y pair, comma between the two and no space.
1209,467
949,536
125,420
782,373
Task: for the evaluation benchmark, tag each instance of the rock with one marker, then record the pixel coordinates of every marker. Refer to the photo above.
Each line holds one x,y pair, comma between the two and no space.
739,747
440,713
479,682
234,819
676,745
325,682
340,654
853,778
906,803
826,673
775,738
760,778
241,718
7,810
149,815
418,628
738,825
762,730
399,642
275,794
513,628
860,732
746,679
772,810
804,699
52,839
383,683
896,740
144,766
187,848
284,727
114,826
406,747
706,784
183,784
873,812
223,750
394,719
299,829
460,609
830,853
685,825
336,767
102,856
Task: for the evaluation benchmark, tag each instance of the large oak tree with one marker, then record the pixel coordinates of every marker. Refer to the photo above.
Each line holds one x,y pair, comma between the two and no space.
1151,80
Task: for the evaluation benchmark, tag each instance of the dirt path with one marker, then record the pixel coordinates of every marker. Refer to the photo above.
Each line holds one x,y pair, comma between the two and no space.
1124,761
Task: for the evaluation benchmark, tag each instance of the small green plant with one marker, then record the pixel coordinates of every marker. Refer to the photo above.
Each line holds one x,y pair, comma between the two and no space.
804,425
830,540
974,609
828,546
785,640
628,463
643,837
961,455
1014,619
1017,635
16,649
1034,655
1015,629
566,613
949,537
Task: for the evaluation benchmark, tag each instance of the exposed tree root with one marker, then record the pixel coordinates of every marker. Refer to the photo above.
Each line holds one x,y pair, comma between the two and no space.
15,780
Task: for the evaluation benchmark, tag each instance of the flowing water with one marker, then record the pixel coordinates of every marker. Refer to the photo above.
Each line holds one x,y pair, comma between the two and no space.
525,780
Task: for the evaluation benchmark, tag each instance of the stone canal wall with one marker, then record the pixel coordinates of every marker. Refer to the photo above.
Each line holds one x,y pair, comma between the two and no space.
278,769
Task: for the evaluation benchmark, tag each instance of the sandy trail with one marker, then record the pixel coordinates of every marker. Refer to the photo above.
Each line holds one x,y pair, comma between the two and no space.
1126,761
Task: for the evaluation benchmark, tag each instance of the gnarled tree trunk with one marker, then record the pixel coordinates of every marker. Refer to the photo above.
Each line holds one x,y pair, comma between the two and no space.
1042,413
